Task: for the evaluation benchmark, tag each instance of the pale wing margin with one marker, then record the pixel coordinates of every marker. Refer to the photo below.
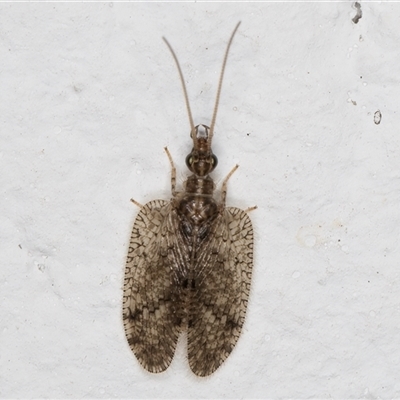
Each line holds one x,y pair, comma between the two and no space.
149,303
218,303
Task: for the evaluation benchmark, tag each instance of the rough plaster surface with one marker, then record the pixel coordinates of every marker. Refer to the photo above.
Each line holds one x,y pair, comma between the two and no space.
89,96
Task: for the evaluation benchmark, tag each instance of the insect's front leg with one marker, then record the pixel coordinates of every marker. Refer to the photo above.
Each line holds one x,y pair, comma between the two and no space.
224,188
173,172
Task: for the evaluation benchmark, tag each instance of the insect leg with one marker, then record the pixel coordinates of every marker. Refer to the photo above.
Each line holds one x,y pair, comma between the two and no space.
248,209
225,185
173,172
136,203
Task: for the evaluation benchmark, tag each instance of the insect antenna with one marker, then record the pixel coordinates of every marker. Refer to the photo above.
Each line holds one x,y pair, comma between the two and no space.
214,117
192,128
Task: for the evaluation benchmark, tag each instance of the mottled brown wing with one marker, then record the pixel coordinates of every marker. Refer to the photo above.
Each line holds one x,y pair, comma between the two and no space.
151,305
224,261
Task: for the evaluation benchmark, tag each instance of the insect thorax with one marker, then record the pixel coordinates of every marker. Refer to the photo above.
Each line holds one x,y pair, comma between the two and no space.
196,206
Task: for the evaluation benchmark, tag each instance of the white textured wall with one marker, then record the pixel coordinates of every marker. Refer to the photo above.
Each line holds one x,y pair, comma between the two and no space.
89,96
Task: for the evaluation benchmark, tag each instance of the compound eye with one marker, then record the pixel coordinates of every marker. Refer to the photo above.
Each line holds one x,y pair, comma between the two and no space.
189,160
192,160
214,161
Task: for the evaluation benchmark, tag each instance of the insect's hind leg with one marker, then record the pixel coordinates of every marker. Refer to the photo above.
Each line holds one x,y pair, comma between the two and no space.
224,188
173,172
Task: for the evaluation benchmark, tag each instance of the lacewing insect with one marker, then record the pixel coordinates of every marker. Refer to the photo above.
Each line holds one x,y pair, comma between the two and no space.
189,263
